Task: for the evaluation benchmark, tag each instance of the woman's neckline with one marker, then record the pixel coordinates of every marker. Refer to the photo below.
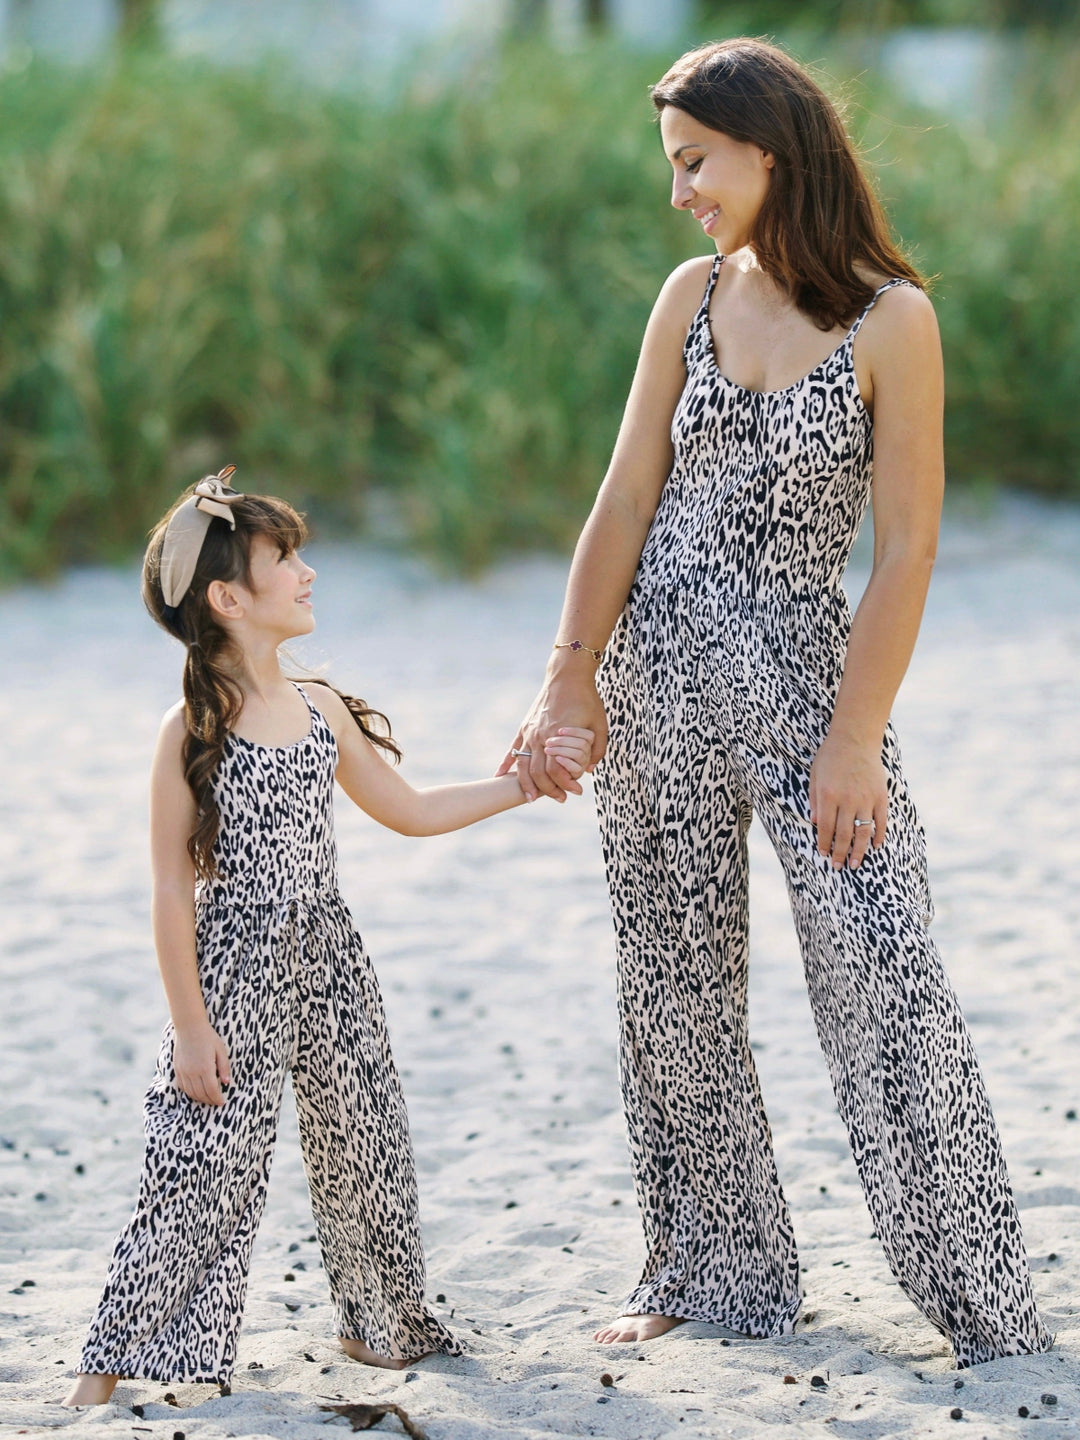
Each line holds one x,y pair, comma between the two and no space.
292,744
710,353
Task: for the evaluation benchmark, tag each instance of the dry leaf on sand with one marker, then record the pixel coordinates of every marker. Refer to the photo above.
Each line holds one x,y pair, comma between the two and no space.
363,1417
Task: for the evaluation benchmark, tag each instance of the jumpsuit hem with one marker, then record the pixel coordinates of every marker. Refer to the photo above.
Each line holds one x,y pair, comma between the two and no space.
783,1327
161,1375
451,1347
156,1377
967,1356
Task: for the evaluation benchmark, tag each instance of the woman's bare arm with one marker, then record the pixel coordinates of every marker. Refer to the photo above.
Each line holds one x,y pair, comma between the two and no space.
609,549
847,779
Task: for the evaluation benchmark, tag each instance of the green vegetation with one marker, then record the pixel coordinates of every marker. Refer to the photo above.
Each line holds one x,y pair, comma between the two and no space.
439,299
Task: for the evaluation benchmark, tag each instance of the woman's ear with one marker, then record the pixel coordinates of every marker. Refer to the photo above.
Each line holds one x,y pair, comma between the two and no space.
225,601
768,159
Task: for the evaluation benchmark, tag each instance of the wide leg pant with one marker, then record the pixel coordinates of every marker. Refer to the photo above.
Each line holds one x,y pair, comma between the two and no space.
289,988
716,711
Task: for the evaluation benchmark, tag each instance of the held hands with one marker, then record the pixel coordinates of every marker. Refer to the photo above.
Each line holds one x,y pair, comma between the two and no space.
568,750
847,783
201,1064
563,735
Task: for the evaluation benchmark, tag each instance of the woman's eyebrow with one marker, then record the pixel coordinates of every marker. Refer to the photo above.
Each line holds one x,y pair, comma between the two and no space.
693,145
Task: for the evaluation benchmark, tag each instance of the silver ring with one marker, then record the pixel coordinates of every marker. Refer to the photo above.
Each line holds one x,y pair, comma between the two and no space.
864,822
522,754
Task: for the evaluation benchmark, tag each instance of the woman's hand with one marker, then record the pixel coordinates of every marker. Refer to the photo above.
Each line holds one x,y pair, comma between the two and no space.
201,1064
565,709
847,783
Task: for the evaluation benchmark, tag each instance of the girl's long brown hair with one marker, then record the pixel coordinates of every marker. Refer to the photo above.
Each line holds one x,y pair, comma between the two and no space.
820,217
212,696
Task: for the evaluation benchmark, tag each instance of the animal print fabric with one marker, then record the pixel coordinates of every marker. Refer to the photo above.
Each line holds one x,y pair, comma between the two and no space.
719,683
289,988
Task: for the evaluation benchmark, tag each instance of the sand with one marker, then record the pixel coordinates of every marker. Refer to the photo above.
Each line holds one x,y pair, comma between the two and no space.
495,954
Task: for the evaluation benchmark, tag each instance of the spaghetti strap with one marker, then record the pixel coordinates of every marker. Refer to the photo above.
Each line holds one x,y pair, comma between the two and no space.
702,316
714,275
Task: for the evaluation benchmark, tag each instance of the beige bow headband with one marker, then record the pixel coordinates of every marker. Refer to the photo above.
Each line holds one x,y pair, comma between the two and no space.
186,531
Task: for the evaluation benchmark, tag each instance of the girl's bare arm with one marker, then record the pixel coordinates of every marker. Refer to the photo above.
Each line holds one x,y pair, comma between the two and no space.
379,790
200,1061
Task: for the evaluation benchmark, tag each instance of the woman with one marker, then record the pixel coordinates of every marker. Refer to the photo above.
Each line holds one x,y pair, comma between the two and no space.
705,624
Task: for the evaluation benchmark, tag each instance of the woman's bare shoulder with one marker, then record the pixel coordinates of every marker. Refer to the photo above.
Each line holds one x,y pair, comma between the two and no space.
899,299
900,338
903,315
682,294
686,283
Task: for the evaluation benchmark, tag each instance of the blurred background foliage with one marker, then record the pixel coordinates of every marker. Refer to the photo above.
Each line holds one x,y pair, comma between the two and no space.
421,313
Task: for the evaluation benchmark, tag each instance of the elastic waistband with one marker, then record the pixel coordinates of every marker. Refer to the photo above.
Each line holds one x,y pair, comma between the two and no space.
689,596
231,900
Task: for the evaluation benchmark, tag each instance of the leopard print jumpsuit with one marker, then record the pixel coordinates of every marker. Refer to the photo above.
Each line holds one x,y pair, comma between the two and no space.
719,683
288,987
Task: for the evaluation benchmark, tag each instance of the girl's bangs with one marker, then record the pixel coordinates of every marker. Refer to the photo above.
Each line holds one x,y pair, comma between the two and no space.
274,518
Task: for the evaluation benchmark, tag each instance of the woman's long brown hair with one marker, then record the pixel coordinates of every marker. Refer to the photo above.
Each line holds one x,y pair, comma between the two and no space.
820,217
212,696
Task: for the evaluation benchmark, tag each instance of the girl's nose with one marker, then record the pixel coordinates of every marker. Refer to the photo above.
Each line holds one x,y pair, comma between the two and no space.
682,196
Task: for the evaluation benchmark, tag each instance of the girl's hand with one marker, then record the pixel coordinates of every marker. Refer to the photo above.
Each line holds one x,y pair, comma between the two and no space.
563,704
569,749
847,783
201,1064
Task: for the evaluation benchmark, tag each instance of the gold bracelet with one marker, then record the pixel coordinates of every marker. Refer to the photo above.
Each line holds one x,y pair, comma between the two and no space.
597,655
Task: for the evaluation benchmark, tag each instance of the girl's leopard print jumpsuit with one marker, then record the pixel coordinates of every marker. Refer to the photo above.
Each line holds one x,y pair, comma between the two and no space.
289,988
719,683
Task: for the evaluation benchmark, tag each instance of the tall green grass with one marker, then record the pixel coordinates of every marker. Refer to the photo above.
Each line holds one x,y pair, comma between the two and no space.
437,300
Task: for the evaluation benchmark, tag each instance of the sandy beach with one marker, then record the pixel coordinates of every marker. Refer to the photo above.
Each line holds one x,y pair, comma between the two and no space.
495,955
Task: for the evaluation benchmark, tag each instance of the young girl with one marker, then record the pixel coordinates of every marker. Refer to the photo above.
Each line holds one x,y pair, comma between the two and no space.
263,970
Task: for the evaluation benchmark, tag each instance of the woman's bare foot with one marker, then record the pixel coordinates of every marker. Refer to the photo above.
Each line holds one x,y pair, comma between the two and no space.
357,1350
628,1328
92,1390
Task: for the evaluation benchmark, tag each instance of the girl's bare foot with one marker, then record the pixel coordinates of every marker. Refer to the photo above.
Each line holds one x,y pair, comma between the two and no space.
92,1390
357,1350
628,1328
